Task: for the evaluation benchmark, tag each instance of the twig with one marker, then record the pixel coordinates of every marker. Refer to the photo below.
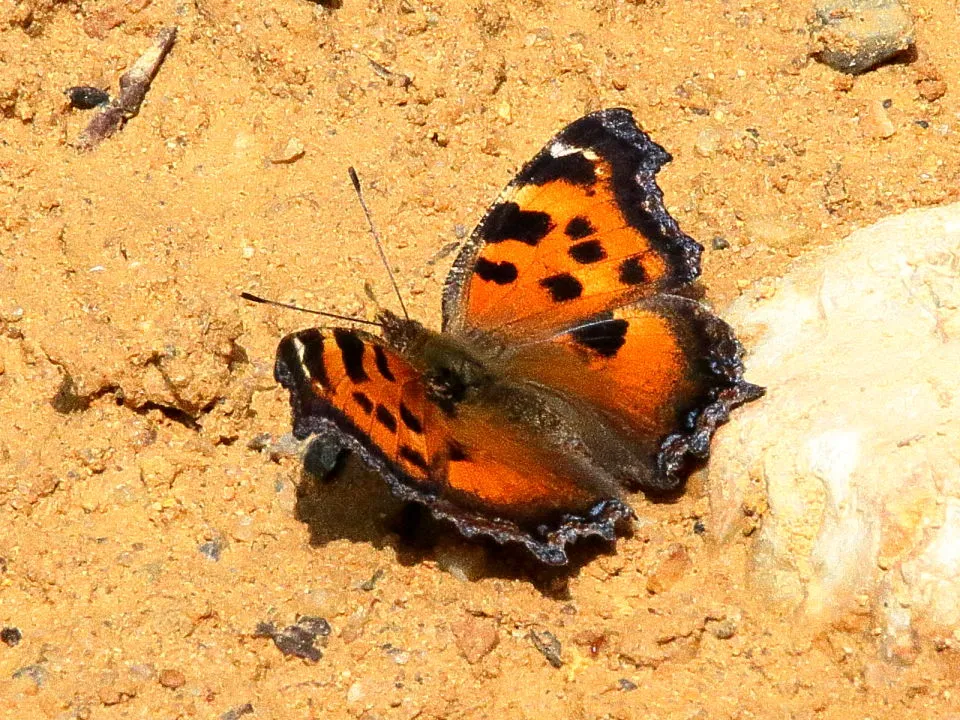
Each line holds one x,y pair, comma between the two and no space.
134,84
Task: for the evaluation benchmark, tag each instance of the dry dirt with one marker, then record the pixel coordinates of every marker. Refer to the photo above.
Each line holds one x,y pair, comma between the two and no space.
143,538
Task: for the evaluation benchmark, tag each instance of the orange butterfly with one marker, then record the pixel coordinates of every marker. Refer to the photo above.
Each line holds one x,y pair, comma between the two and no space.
566,369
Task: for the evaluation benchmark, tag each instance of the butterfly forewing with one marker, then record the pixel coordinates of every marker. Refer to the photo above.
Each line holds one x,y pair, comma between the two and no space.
370,392
581,229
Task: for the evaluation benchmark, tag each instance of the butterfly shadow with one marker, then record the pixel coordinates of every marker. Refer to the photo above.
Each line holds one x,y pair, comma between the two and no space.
350,502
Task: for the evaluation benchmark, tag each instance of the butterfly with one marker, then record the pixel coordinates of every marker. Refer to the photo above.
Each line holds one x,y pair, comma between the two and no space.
569,367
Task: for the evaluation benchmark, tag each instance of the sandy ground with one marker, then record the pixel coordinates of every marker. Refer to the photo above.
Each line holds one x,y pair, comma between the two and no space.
143,537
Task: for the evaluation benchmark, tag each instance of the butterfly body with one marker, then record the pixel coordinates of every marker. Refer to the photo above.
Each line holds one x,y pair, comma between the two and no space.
566,370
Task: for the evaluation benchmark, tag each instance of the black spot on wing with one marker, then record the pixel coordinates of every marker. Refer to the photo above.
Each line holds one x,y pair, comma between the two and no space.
410,420
383,367
414,458
604,338
586,252
631,271
573,168
563,287
501,273
386,418
579,228
506,221
456,452
312,342
351,350
365,403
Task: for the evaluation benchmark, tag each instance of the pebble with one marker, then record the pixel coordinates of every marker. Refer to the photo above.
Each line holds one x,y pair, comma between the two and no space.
672,565
116,693
36,673
476,637
875,121
722,629
707,143
237,712
465,561
355,693
172,679
930,83
548,646
85,97
853,36
211,549
370,583
301,639
289,153
11,636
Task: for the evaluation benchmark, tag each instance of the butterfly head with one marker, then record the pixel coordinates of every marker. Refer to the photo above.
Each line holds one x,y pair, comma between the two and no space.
451,371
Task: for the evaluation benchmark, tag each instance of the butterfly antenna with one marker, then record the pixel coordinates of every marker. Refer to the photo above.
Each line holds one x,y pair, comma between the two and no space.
257,299
376,238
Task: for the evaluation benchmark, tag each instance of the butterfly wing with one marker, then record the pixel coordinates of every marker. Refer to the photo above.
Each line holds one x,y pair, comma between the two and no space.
663,372
581,229
482,471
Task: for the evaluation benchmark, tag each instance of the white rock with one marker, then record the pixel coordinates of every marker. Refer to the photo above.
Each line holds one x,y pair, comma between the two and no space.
853,457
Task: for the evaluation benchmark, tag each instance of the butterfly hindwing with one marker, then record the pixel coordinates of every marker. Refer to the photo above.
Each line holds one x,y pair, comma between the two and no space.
581,229
663,371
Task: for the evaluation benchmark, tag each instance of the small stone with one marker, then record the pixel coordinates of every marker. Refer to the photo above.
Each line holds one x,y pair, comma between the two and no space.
355,693
115,694
143,671
289,153
932,90
707,143
302,639
853,36
843,83
34,673
11,636
370,583
476,637
237,712
211,549
720,243
875,122
672,565
626,685
548,645
929,80
85,97
722,629
465,561
172,679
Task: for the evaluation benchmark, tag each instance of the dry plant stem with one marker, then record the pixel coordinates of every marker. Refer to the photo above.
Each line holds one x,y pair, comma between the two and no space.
134,84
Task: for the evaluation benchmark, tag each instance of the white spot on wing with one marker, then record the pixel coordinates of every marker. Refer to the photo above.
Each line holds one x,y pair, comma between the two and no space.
301,351
559,150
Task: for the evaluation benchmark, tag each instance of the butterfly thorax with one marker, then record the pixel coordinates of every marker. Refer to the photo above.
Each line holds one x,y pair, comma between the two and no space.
453,371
